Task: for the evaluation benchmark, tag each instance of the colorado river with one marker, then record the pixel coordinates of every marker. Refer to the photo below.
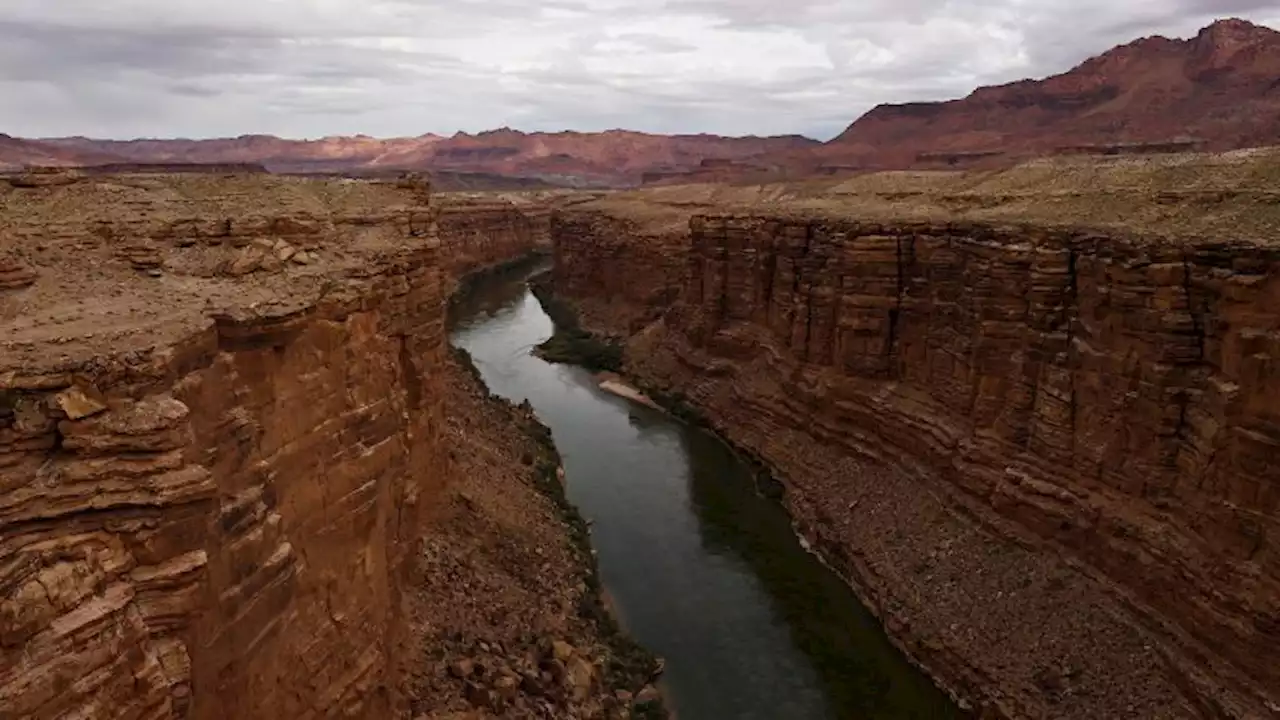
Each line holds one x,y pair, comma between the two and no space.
702,569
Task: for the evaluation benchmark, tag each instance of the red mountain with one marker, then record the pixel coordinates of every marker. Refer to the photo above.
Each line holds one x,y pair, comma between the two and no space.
1217,91
16,153
612,155
615,157
325,154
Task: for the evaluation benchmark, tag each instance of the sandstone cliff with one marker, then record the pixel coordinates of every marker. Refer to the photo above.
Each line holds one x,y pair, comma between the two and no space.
481,234
1045,456
206,509
224,441
631,273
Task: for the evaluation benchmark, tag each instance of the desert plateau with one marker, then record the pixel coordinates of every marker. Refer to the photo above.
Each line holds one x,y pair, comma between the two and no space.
970,410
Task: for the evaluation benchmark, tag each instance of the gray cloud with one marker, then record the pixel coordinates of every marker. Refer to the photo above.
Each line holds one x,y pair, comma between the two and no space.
404,67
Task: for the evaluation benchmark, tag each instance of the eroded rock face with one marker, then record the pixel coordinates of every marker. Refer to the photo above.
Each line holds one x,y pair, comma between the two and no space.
479,234
539,218
1047,458
15,274
142,255
213,491
630,275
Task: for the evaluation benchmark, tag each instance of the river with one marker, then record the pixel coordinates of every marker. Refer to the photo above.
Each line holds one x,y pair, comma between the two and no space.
702,569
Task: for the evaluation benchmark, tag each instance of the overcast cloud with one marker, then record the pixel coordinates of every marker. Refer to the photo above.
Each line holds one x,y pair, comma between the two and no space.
308,68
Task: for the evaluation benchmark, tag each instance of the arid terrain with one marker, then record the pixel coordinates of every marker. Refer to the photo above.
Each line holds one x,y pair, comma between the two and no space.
1010,362
1023,411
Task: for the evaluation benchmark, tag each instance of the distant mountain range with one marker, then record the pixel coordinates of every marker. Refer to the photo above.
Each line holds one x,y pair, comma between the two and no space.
1217,91
616,157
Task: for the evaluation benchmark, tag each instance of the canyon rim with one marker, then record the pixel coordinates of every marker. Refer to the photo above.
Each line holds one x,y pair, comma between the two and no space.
1009,362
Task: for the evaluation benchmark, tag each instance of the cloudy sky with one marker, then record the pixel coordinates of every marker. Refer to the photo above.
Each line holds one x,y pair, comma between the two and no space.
308,68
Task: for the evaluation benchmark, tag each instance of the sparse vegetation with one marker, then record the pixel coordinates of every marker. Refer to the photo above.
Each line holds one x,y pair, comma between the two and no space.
571,344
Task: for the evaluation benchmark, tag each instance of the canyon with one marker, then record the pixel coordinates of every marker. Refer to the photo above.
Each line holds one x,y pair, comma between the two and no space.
1008,362
1027,415
243,475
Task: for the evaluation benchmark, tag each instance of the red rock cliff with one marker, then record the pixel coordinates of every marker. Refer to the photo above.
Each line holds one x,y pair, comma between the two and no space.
480,234
630,274
220,438
1047,458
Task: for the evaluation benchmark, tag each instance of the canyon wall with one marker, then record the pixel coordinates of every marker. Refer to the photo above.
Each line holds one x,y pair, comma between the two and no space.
220,441
630,274
1048,459
480,233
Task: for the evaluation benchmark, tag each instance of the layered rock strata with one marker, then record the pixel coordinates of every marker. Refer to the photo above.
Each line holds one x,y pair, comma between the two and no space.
630,273
14,274
1046,458
478,234
539,219
214,475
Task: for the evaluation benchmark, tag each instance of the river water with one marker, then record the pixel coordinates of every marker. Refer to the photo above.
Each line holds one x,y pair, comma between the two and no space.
702,569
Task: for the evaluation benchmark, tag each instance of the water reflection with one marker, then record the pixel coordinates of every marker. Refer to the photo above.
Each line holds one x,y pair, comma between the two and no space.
494,295
863,674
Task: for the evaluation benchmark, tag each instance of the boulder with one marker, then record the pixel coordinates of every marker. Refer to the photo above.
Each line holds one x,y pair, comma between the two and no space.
15,274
